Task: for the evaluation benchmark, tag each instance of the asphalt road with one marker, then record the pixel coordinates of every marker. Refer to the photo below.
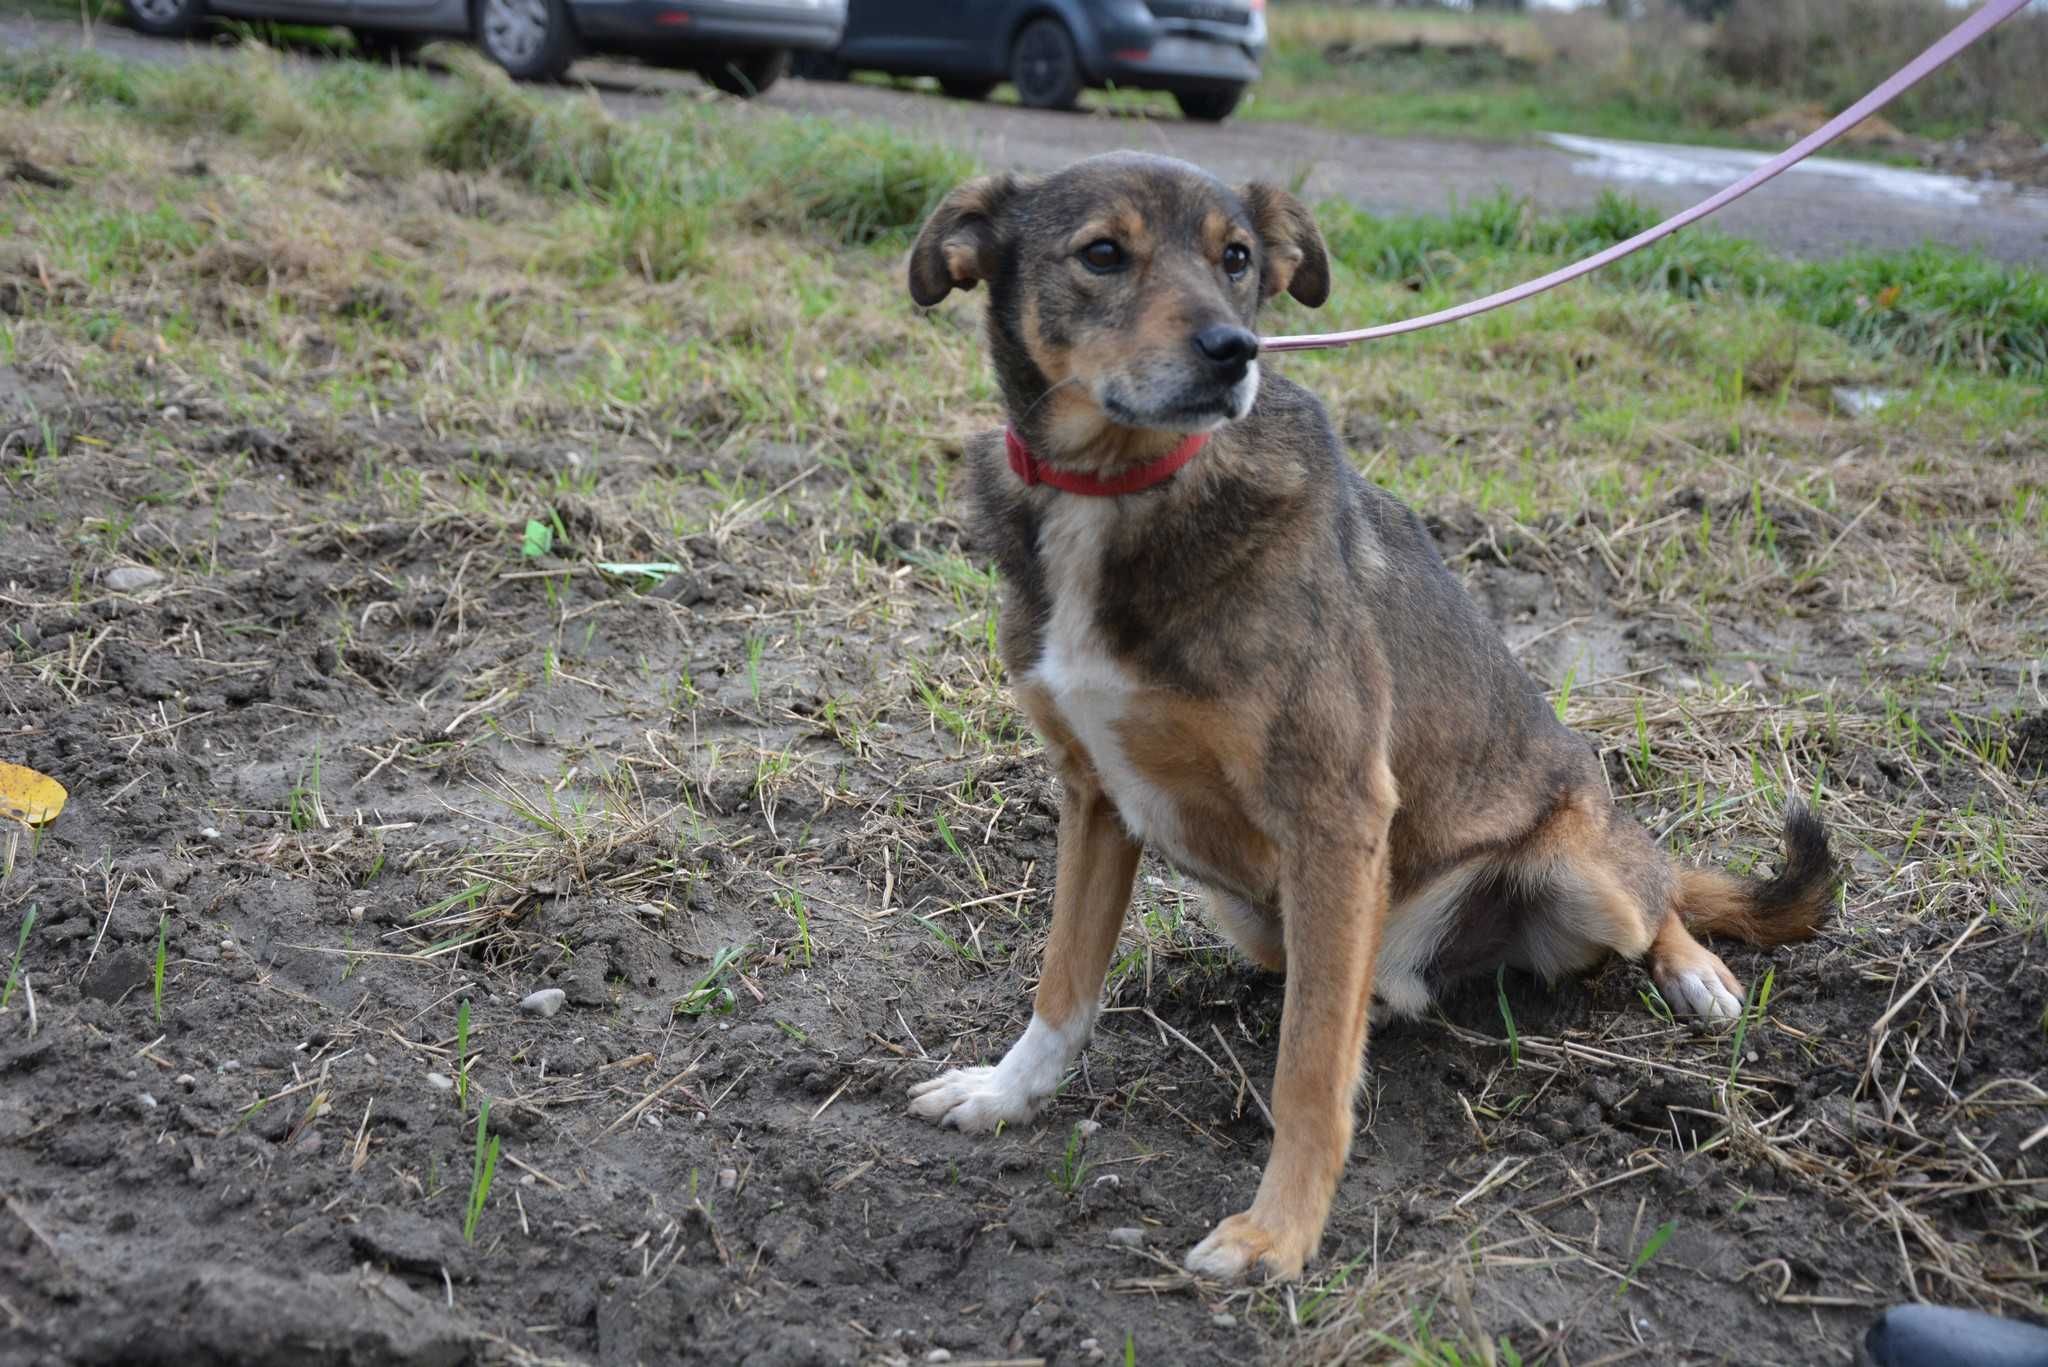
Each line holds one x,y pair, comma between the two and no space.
1820,208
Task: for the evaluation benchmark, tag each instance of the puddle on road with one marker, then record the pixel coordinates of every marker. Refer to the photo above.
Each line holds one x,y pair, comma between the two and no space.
1675,164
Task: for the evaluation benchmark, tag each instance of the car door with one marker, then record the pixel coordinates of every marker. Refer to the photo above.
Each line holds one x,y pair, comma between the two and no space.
916,37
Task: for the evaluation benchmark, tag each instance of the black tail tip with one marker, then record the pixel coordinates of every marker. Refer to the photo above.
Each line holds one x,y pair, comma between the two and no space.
1809,876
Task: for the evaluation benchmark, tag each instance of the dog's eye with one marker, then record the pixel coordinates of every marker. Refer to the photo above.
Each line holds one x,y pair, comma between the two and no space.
1237,259
1102,257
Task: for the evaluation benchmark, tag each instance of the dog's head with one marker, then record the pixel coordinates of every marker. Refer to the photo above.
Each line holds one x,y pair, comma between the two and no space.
1123,289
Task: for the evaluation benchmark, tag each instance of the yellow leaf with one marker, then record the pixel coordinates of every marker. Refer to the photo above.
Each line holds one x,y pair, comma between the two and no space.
26,795
1888,296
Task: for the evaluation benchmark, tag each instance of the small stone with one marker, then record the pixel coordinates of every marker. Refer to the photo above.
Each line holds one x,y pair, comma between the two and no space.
1225,1320
545,1002
1088,1128
209,833
939,1355
173,413
1128,1236
131,578
231,1066
441,1082
728,1179
146,1101
187,1081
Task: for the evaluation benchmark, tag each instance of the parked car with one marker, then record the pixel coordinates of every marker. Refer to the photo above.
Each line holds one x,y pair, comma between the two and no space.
740,46
1206,52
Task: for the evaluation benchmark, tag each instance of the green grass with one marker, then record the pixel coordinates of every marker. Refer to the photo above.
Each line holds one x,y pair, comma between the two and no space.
28,923
483,1167
156,977
1072,1168
462,1055
709,993
1934,304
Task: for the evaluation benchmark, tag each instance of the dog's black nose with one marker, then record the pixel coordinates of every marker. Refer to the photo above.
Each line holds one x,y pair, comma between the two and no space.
1227,347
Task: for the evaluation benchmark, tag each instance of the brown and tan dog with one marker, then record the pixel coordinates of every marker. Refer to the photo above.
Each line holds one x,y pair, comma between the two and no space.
1242,654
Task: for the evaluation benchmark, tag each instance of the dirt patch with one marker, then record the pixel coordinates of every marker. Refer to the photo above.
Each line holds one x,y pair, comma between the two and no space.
353,770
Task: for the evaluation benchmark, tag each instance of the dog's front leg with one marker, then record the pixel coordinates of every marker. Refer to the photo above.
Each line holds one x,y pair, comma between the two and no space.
1097,861
1333,901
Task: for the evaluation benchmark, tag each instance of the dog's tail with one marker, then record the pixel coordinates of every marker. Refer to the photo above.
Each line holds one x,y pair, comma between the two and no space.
1791,906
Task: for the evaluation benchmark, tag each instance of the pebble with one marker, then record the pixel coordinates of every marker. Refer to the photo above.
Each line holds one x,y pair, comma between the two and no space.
441,1082
129,578
187,1081
728,1179
1129,1236
545,1002
939,1355
1224,1321
173,413
1088,1128
209,833
148,1101
231,1066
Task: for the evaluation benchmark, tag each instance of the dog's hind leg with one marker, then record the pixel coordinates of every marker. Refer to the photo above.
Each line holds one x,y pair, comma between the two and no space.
1097,862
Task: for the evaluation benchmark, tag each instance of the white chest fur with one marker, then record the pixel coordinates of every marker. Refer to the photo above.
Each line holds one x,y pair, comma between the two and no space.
1091,690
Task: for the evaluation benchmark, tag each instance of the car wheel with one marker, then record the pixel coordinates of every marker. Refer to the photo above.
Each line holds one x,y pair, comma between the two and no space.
167,18
966,90
1210,106
1044,66
747,74
385,45
531,39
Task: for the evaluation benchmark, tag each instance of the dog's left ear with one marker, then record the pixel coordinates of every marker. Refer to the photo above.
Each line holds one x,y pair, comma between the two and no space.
958,245
1296,260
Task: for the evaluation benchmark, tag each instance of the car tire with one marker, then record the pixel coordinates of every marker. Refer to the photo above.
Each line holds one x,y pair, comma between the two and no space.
747,74
167,18
1045,66
384,46
532,39
1209,106
971,91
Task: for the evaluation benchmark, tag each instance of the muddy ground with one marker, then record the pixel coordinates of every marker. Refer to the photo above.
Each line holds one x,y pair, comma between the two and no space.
336,767
351,741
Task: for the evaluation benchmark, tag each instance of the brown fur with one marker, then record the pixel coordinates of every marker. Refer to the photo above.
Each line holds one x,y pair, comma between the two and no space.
1263,668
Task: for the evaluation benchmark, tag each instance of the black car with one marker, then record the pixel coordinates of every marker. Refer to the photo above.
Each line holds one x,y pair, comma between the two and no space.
1206,52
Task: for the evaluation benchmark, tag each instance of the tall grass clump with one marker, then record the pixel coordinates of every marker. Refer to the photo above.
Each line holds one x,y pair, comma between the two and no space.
1934,303
61,75
858,184
486,123
1832,51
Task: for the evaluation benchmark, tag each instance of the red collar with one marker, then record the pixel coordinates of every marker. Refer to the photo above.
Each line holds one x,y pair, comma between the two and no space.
1032,470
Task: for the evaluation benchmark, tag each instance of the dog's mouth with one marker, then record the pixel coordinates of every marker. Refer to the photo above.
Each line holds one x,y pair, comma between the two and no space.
1189,406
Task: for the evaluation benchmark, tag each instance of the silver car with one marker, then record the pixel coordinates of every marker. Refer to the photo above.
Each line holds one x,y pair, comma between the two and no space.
740,46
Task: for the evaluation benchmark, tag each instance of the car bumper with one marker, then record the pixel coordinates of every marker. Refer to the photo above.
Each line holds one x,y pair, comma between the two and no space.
643,25
1182,62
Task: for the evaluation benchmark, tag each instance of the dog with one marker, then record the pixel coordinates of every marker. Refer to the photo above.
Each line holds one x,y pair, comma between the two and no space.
1242,654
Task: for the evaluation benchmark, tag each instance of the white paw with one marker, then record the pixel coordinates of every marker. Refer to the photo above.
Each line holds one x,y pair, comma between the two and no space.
1219,1258
972,1100
1700,992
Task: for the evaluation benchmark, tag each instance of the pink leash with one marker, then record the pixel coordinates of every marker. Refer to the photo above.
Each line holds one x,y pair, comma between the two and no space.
1994,13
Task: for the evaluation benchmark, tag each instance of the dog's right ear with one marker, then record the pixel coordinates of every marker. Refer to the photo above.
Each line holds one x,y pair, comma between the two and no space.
958,245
